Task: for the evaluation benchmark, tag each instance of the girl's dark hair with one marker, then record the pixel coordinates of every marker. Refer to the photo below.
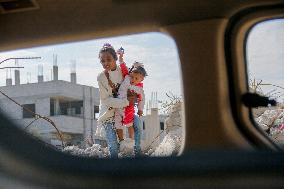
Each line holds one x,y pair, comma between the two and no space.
108,48
138,69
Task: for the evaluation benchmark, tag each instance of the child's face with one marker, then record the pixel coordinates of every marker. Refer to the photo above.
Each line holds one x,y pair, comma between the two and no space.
136,78
107,61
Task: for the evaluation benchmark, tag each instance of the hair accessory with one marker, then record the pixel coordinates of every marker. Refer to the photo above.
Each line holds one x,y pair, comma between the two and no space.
107,45
138,64
108,48
138,67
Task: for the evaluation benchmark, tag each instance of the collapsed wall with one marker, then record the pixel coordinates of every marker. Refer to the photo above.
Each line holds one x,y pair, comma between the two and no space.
171,143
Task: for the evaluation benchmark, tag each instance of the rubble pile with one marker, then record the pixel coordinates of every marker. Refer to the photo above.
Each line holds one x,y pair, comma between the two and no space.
272,122
94,151
169,146
172,141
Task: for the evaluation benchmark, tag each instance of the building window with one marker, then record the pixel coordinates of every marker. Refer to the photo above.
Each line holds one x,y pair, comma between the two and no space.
77,105
27,114
66,107
162,125
96,112
51,107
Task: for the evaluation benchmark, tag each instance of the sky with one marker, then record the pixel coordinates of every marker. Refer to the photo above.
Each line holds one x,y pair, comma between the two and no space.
264,47
157,51
265,55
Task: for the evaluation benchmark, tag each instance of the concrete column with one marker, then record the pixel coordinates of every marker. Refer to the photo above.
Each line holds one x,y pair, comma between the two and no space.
8,82
73,78
56,107
55,73
40,73
152,128
17,77
40,78
87,113
92,106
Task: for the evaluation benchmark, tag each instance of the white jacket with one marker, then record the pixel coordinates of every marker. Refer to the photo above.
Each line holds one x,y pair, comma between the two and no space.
106,98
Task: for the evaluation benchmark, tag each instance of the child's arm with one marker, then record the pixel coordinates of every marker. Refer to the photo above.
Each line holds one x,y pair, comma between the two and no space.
120,58
141,103
123,67
122,91
120,53
141,98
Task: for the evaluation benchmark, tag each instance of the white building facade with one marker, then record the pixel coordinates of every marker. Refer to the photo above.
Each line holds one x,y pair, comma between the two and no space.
72,107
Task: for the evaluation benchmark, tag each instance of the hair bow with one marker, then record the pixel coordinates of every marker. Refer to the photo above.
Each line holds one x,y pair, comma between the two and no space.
107,45
138,64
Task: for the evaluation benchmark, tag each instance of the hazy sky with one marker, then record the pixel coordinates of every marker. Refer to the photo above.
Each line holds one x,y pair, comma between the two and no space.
265,54
157,51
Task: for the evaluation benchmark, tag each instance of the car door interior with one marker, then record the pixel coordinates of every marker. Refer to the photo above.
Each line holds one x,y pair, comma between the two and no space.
221,148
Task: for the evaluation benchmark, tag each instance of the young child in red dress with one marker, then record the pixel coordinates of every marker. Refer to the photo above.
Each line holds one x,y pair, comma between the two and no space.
132,82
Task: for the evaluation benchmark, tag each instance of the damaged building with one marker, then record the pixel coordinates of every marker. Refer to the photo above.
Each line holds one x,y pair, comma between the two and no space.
71,106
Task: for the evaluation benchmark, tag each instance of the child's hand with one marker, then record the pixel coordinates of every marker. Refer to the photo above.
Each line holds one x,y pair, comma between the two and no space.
131,97
120,53
120,58
140,113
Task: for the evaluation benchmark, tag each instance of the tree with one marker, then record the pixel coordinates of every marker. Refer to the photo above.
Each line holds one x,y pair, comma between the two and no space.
170,103
255,86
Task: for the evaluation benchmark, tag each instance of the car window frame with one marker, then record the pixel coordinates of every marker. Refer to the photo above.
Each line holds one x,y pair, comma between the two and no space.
237,31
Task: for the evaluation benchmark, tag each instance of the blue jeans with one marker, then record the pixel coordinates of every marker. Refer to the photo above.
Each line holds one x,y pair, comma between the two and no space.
112,137
137,135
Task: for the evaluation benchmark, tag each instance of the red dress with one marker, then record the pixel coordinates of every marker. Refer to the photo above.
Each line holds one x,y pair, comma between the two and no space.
129,110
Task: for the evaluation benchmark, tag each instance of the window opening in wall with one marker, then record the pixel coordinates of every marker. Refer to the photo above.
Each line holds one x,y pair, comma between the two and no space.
27,108
63,106
162,125
96,112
